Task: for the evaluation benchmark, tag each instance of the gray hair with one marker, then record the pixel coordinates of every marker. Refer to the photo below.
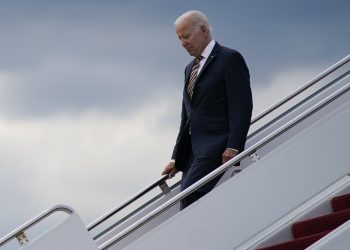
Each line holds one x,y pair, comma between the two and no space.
198,19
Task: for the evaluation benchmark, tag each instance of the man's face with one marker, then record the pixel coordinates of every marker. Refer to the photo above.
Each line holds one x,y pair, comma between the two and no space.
192,39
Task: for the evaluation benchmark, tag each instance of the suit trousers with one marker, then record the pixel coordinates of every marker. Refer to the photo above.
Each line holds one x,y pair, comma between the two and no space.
196,169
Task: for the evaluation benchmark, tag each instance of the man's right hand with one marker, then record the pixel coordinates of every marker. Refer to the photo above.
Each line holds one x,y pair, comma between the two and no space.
170,170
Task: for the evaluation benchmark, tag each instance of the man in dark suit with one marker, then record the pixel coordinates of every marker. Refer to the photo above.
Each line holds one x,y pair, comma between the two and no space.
216,107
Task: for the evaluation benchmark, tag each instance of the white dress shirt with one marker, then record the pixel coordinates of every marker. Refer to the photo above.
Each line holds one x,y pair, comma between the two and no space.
206,52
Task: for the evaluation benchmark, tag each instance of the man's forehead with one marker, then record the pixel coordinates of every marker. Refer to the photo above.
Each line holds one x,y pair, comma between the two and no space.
184,26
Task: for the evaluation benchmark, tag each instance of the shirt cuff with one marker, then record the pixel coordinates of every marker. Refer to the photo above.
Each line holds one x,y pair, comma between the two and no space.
233,150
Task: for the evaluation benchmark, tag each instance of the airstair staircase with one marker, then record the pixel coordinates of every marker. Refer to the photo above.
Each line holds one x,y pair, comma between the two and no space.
291,190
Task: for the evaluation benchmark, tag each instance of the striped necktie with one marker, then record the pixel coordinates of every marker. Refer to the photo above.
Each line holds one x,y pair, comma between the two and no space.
193,76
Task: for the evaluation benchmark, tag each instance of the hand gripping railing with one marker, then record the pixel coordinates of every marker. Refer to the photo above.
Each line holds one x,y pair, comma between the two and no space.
19,232
160,182
132,228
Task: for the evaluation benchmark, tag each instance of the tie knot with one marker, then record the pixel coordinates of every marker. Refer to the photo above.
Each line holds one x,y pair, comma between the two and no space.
199,58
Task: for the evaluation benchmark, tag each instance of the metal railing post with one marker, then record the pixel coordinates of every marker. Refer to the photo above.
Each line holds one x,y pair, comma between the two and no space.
19,232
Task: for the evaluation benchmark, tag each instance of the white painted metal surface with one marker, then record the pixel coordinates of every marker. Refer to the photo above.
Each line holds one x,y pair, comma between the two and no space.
67,235
147,227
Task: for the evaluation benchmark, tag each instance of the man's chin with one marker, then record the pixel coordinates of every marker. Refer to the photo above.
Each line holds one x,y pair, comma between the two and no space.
191,53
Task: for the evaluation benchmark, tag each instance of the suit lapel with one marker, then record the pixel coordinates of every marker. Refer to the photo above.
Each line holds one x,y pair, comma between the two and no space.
210,59
207,62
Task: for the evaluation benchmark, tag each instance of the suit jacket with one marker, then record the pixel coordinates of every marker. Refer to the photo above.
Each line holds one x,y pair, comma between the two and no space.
220,110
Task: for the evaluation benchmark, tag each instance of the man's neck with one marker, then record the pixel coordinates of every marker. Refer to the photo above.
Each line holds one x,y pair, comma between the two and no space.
208,48
205,44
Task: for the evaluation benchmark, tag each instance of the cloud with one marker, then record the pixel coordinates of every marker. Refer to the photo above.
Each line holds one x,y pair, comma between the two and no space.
69,85
61,62
71,82
79,160
281,85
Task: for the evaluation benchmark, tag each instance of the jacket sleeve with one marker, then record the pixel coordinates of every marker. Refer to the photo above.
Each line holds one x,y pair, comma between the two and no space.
239,100
181,130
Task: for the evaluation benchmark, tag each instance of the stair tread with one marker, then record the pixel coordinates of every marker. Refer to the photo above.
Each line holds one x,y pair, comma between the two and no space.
341,202
297,244
320,224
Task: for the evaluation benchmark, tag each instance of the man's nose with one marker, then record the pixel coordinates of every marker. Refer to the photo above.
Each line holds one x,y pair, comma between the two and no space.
184,43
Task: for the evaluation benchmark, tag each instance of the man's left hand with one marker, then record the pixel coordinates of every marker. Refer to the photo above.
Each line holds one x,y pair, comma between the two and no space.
228,155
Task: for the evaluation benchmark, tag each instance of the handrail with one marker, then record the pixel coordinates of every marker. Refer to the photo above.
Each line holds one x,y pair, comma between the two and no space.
34,221
257,118
302,89
134,212
127,202
222,169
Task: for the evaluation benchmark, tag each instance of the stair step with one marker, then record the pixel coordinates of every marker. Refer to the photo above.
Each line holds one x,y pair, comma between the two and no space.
341,202
320,224
297,244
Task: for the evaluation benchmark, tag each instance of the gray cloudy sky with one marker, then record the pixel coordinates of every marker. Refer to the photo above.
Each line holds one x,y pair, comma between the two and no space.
90,91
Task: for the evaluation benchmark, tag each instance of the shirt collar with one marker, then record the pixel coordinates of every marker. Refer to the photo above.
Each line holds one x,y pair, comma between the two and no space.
206,52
